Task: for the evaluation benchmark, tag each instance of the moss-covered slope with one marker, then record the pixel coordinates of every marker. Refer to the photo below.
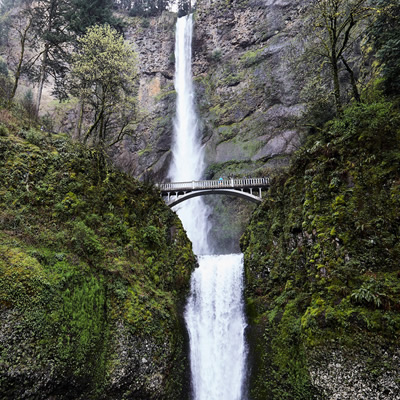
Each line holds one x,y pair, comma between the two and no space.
93,272
322,257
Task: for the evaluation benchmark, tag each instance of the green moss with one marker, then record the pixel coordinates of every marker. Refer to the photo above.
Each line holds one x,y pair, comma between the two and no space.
3,130
169,95
322,251
77,264
253,57
144,151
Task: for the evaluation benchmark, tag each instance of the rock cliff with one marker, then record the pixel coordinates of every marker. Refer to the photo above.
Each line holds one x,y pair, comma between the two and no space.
148,153
94,271
248,95
322,266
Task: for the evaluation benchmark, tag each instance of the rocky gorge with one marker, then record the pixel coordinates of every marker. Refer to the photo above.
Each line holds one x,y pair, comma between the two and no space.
247,95
247,92
95,268
319,324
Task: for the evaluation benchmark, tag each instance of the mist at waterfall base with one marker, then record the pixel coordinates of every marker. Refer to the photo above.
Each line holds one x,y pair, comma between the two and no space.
214,312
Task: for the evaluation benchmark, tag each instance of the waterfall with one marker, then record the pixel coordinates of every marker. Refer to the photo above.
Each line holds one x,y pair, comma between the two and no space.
214,313
187,152
216,324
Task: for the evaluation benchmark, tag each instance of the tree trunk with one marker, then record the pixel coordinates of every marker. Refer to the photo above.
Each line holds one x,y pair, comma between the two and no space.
102,134
80,120
91,129
336,84
52,11
353,81
23,37
42,78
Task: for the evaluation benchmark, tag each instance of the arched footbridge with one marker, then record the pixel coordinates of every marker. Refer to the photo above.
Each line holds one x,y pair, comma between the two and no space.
247,188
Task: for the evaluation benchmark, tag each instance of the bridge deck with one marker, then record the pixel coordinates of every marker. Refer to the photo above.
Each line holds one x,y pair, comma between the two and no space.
177,192
242,183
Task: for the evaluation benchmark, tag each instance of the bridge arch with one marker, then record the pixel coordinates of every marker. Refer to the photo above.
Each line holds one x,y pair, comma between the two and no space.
177,192
228,192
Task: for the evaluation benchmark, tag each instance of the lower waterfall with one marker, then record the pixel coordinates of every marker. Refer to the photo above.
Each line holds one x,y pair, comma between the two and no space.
215,320
214,313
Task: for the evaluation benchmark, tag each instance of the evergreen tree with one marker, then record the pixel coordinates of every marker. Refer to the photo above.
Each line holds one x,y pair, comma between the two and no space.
57,24
145,8
85,13
385,33
51,29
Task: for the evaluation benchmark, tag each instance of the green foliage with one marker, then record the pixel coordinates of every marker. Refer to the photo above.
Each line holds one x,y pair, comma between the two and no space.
50,29
145,8
77,265
366,295
216,55
28,104
152,236
83,14
3,130
103,77
322,252
85,241
5,83
286,376
335,26
385,34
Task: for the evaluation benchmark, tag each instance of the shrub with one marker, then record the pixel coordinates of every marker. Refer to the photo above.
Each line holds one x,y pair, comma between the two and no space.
84,240
28,104
3,130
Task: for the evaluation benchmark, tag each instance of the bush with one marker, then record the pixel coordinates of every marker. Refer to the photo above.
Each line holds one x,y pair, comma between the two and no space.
85,242
5,84
3,130
33,137
28,104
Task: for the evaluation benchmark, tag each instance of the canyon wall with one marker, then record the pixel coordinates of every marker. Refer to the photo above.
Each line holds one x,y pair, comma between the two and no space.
248,93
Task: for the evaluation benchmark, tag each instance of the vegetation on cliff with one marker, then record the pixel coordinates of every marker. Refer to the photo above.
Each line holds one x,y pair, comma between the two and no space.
93,268
103,78
322,252
322,257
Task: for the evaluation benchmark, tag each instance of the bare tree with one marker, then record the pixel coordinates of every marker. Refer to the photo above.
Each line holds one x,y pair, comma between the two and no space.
21,26
337,25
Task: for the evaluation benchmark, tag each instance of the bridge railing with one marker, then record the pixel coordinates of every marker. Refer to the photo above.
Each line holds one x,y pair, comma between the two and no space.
214,184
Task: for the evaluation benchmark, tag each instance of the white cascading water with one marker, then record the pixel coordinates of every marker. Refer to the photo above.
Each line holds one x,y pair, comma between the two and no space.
214,312
215,320
187,152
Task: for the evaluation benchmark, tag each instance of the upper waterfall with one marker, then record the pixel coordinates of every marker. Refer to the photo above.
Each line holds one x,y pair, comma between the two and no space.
188,162
187,151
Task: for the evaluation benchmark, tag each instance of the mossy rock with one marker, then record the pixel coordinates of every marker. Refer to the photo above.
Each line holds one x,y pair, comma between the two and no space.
94,270
322,263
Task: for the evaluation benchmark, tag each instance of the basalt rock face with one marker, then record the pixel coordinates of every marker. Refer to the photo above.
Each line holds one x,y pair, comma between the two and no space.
247,92
148,153
248,95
